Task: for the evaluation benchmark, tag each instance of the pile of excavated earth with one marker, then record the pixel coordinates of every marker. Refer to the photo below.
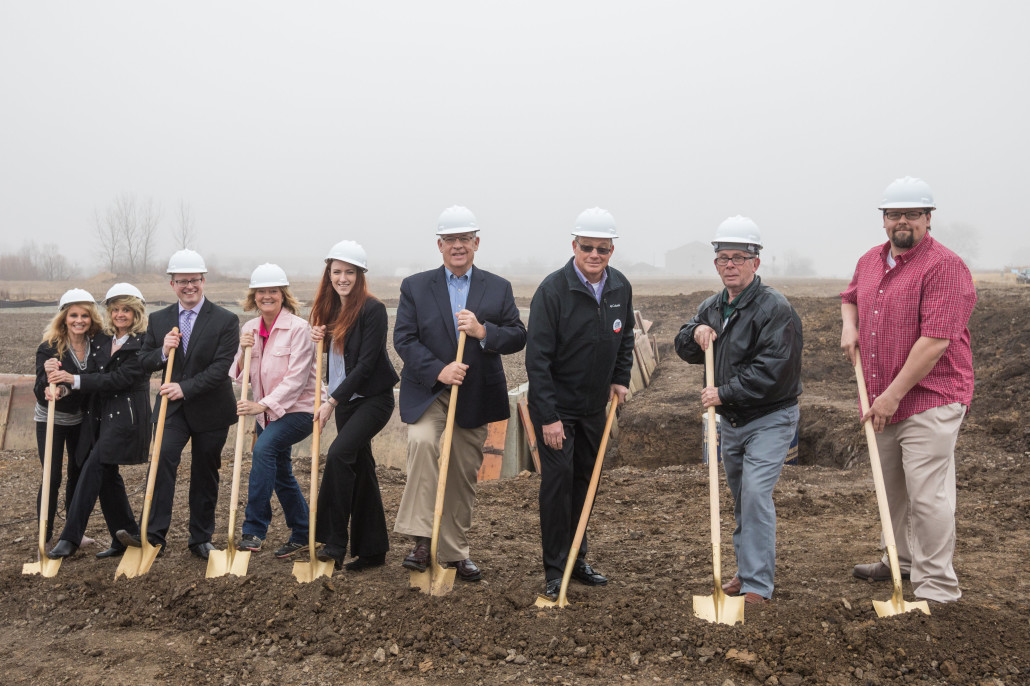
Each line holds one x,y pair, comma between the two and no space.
649,534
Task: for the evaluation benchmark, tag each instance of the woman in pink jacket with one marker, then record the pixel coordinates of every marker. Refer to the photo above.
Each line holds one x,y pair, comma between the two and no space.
282,379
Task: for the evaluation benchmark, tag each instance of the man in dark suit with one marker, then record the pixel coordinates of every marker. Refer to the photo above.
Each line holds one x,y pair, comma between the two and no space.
434,307
201,402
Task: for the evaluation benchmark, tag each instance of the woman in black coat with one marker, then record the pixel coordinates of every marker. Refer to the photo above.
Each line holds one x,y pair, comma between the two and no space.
361,381
65,343
116,430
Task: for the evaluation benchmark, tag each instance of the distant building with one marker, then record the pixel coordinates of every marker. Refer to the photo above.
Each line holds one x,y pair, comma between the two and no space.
692,259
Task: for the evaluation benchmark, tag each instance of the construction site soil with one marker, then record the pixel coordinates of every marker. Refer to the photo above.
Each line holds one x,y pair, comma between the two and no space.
649,533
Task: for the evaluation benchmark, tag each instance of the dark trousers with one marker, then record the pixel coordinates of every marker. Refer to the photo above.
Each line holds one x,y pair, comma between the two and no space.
98,480
206,459
350,488
64,437
565,479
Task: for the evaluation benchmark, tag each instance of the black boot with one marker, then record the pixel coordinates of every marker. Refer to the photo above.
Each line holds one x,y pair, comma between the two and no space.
62,549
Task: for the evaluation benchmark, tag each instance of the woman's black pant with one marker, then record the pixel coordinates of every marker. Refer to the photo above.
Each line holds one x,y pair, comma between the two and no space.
350,489
65,437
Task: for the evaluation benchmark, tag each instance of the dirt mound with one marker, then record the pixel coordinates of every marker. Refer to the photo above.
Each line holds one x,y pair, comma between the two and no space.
649,534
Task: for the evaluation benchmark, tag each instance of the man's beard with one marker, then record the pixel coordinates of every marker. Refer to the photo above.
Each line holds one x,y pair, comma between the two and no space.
903,242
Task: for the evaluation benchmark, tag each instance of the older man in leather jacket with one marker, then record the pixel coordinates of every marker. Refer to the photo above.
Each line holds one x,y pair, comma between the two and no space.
757,338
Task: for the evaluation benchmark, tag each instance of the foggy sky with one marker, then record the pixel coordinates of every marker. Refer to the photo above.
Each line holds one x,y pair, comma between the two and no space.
290,126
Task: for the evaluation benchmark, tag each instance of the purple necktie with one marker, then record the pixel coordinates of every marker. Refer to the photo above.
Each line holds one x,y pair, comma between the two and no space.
187,328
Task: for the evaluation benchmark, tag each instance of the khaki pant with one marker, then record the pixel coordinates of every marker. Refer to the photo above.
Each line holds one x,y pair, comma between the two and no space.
415,514
918,460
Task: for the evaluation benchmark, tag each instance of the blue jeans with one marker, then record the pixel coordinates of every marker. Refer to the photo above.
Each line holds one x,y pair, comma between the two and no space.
272,469
753,456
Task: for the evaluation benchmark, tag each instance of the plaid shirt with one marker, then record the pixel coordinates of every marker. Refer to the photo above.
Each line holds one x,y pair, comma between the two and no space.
929,292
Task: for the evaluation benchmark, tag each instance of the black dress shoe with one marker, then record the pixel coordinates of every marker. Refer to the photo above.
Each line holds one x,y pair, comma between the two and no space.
552,589
585,574
62,549
328,553
113,551
202,550
466,570
128,540
361,562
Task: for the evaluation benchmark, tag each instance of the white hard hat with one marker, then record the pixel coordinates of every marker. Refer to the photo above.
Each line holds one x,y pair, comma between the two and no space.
268,275
738,233
120,289
75,295
186,262
456,219
349,252
907,192
595,223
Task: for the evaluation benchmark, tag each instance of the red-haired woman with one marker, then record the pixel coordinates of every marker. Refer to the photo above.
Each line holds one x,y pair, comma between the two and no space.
360,382
65,346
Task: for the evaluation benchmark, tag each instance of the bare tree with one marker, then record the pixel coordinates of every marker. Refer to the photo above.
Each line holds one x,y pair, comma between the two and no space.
52,265
186,232
107,246
127,233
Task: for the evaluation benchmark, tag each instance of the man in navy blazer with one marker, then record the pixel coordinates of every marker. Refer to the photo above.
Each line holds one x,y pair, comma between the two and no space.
434,307
201,402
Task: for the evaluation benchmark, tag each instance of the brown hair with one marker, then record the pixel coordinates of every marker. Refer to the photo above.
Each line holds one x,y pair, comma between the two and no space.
328,310
56,333
139,322
290,302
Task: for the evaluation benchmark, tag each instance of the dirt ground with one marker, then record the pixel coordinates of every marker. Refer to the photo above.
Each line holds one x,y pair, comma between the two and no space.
649,534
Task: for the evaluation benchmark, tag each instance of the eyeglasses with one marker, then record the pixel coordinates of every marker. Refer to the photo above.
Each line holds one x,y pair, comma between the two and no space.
591,248
912,215
737,260
451,240
187,282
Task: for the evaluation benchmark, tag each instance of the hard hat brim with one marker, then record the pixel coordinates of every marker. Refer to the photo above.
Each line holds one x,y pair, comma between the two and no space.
594,234
906,206
459,229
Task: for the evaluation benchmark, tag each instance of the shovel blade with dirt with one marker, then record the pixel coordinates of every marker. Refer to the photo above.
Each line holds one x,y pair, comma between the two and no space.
718,608
45,566
306,571
136,561
439,580
230,560
584,516
897,604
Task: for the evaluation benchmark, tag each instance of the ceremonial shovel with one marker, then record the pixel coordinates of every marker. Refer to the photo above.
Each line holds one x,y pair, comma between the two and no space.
897,604
311,569
438,580
718,607
46,566
584,517
230,560
137,561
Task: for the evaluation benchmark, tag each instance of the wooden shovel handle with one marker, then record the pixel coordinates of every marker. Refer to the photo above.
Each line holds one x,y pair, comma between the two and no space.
874,457
155,454
445,457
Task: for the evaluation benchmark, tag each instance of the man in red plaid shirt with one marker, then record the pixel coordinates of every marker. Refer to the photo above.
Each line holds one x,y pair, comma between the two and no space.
906,309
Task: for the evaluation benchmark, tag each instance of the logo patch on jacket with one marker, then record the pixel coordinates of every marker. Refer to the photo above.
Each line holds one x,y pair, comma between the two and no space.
617,325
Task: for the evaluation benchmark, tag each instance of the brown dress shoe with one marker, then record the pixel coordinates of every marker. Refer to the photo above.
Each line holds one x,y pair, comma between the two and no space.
732,587
418,559
466,570
754,599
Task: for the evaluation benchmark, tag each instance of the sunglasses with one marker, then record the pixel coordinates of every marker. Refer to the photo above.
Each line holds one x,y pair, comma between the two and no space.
591,248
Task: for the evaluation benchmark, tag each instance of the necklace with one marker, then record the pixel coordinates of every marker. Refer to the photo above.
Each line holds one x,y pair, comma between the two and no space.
81,364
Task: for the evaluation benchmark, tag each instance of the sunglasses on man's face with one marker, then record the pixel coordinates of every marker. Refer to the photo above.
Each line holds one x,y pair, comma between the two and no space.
591,248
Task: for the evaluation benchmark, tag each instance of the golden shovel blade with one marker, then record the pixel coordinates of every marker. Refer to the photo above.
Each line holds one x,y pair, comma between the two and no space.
719,608
228,561
306,571
436,580
897,605
45,567
137,561
544,601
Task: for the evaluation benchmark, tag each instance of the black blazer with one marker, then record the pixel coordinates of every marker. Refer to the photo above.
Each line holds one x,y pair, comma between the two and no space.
117,389
203,371
424,338
368,367
70,403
